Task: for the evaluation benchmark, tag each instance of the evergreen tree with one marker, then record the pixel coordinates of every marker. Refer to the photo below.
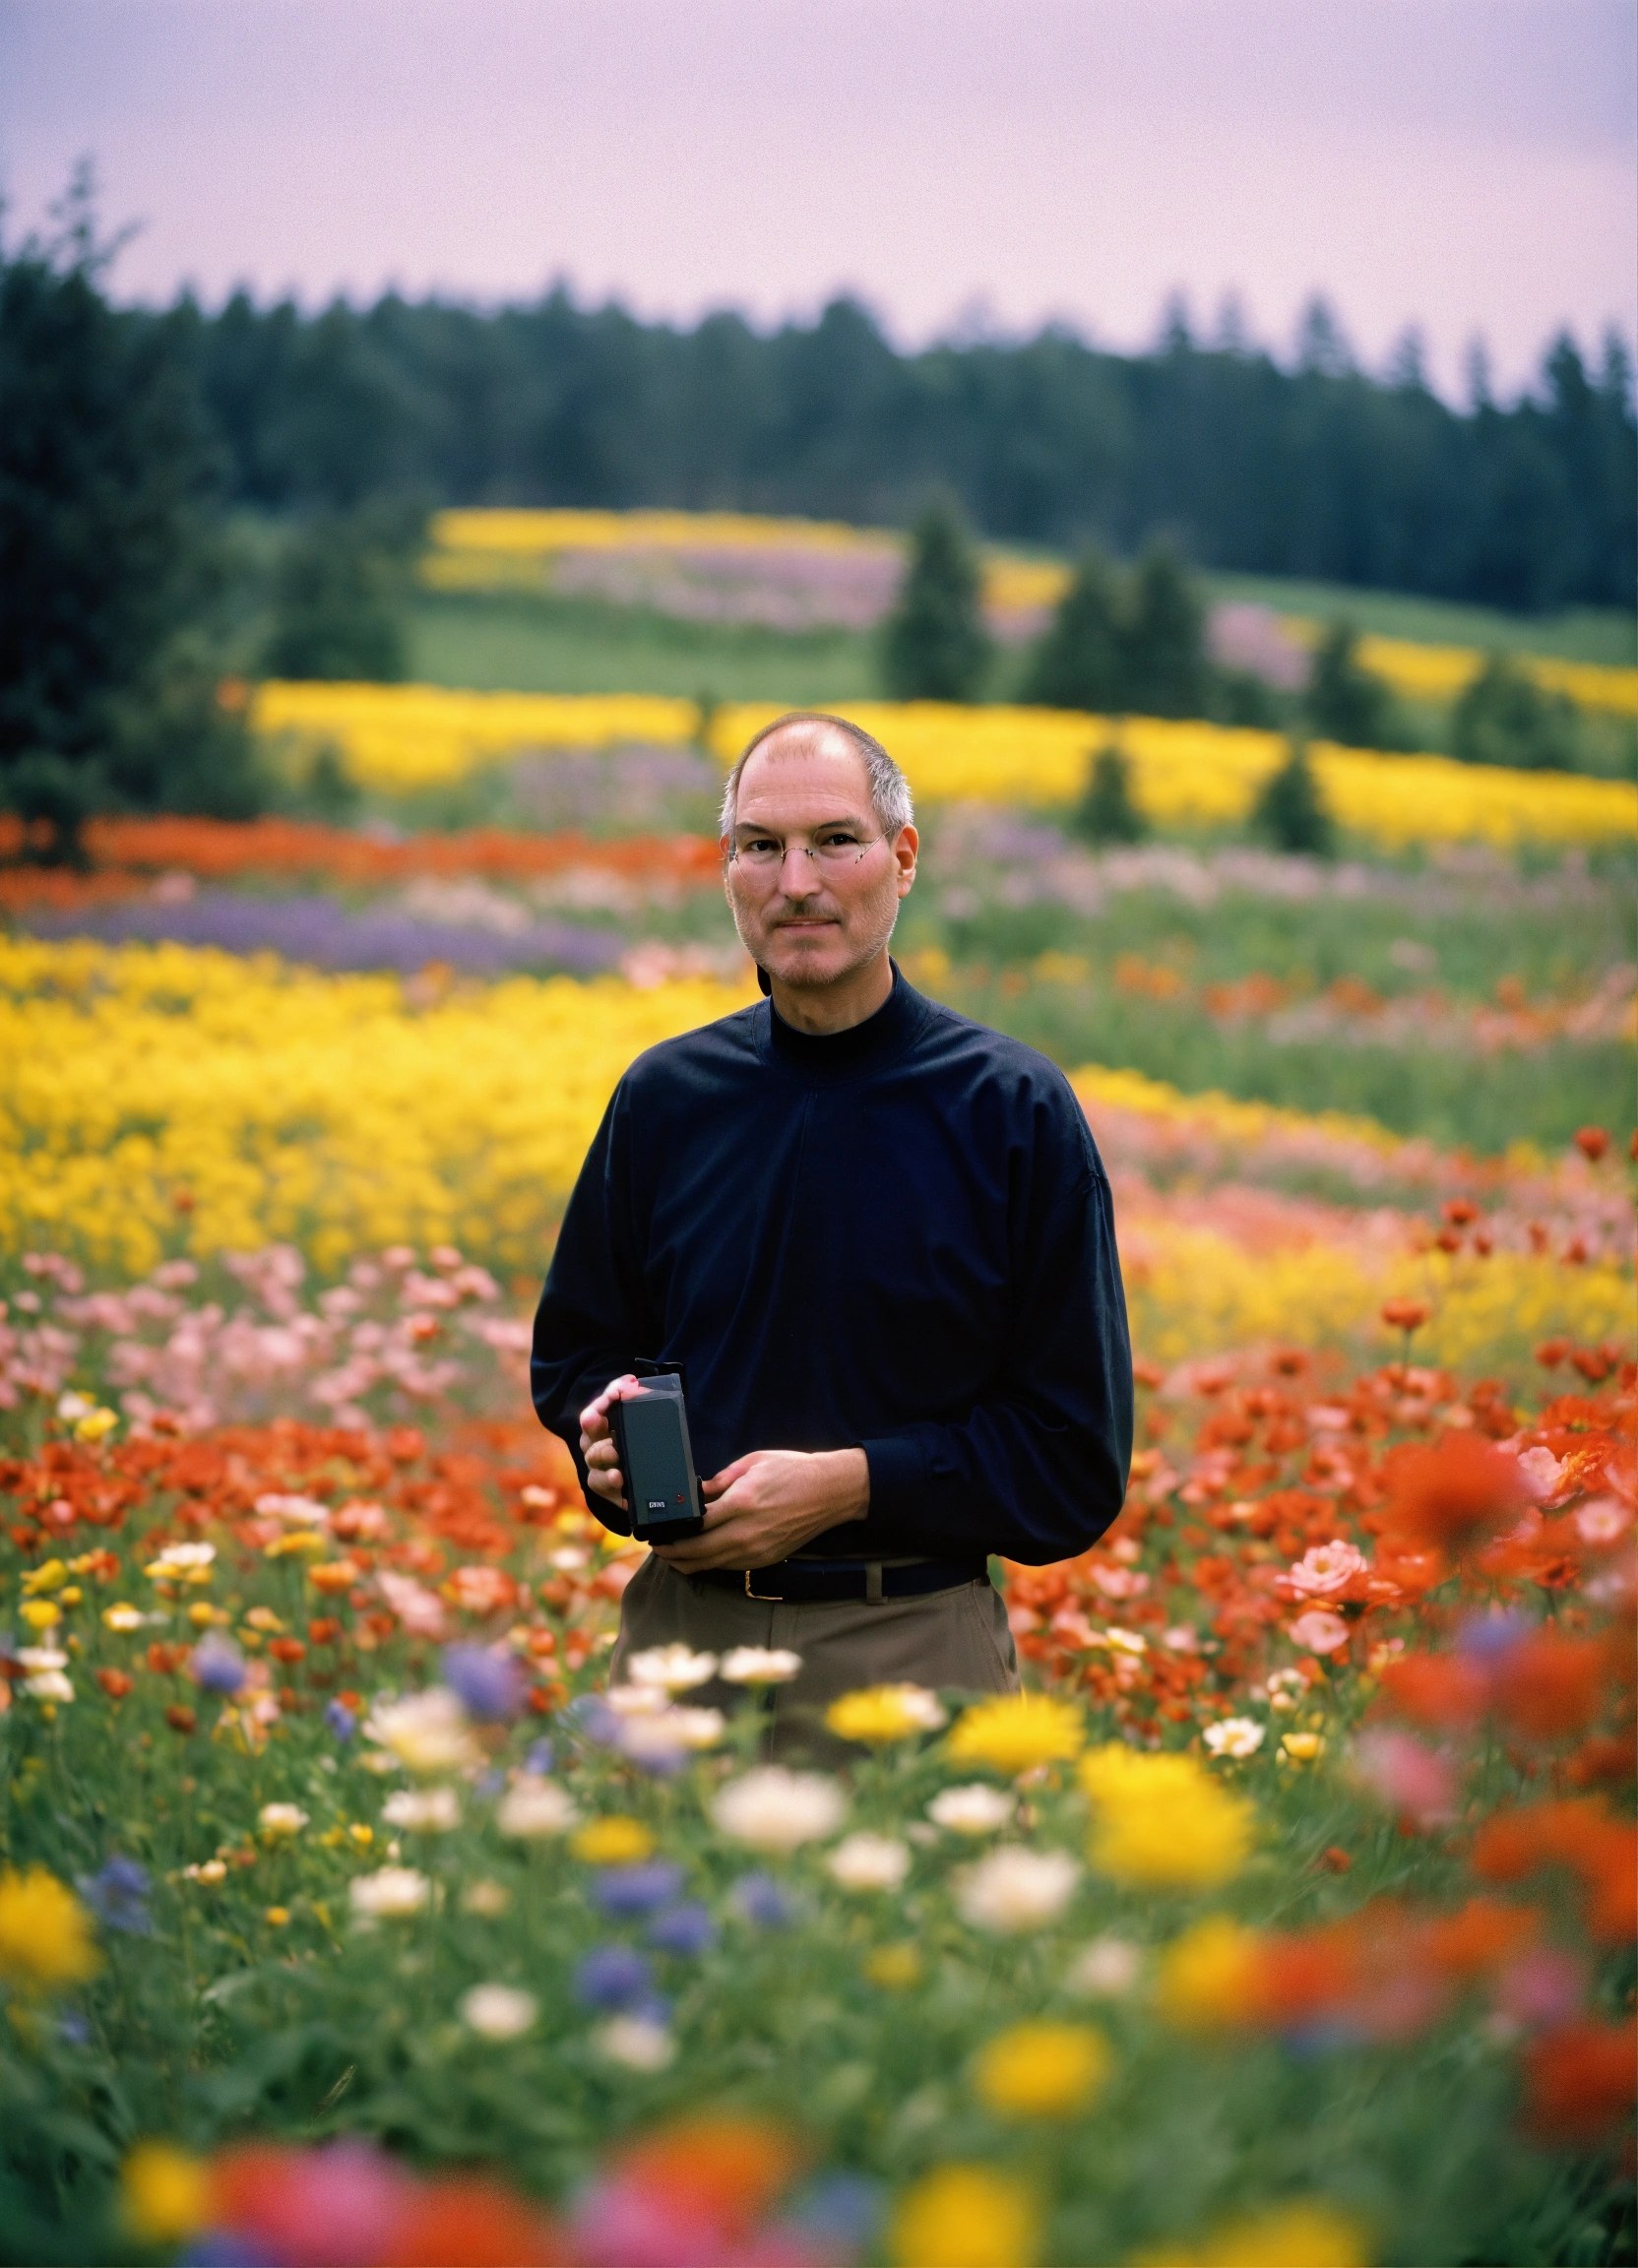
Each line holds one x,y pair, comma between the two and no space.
1504,718
1291,810
1345,702
1164,638
1106,813
1079,663
336,604
934,644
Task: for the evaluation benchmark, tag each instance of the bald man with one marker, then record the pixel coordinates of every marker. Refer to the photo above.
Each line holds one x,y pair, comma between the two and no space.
878,1240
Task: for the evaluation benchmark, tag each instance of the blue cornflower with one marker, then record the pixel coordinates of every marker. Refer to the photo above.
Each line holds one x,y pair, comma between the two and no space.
116,1894
541,1759
613,1977
1488,1637
217,1664
490,1685
341,1719
759,1897
839,2212
622,1890
687,1930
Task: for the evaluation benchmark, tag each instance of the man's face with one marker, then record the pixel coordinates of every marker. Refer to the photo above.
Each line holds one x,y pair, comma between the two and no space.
813,920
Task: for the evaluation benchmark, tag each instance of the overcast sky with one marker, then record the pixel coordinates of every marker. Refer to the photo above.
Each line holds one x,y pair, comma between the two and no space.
1465,164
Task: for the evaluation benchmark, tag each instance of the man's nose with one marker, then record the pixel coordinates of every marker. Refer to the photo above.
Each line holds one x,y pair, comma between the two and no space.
799,873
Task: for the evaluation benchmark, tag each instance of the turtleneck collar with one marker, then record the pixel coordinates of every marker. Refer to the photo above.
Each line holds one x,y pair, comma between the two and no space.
826,1054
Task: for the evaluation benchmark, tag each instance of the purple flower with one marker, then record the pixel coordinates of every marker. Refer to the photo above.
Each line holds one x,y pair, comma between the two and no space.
541,1759
341,1719
613,1977
1490,1637
621,1890
116,1894
759,1899
841,2211
218,1664
687,1930
492,1685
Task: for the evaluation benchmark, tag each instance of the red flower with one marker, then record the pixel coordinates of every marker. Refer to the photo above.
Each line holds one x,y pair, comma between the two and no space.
1591,1142
1484,1934
1547,1686
181,1720
114,1683
1579,2081
1454,1493
1444,1692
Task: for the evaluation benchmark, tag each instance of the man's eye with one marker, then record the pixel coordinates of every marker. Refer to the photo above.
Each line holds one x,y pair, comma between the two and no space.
838,835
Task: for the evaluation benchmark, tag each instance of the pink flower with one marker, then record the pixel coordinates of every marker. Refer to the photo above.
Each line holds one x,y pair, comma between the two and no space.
1601,1520
1541,1473
1542,1987
1413,1780
1318,1632
1325,1571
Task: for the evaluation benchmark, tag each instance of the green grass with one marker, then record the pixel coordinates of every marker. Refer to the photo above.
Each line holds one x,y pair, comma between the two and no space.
1607,635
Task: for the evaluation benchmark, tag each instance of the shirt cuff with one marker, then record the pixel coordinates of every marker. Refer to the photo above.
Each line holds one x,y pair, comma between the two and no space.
895,1478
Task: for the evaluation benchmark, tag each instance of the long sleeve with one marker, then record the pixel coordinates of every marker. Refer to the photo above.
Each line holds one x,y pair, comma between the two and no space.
1038,1469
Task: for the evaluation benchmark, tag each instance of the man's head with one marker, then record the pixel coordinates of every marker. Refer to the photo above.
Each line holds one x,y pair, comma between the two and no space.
819,846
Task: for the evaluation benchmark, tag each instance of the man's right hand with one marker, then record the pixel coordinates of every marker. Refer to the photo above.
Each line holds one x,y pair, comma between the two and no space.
596,1442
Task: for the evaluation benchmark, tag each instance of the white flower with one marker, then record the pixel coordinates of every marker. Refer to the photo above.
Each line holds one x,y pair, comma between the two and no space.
280,1821
180,1560
535,1806
870,1862
666,1730
71,1406
759,1665
1326,1569
301,1511
1124,1641
421,1611
427,1732
674,1667
486,1896
636,2041
391,1892
40,1661
423,1810
774,1809
1016,1889
1235,1736
1181,1638
636,1700
1106,1968
49,1685
977,1809
123,1616
498,2011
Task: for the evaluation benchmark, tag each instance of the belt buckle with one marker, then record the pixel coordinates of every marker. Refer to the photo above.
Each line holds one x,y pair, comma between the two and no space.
767,1597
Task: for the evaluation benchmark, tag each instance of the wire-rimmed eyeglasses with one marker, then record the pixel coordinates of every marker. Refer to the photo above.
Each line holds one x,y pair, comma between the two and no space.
838,848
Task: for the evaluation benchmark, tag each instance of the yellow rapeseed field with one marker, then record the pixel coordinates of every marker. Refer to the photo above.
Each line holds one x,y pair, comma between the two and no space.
404,736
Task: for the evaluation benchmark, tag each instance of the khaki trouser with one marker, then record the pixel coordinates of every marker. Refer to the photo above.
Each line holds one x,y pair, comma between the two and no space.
957,1638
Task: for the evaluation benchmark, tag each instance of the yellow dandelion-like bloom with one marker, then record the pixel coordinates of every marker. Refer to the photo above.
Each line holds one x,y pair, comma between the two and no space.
878,1713
1018,1731
46,1933
614,1841
966,2217
895,1967
164,2194
1306,2234
1206,1976
1042,2071
1163,1821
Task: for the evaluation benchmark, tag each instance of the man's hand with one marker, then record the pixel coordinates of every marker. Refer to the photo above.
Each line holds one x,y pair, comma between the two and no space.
596,1442
762,1508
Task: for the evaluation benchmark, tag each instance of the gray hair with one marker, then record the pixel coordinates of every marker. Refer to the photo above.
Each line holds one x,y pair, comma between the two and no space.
889,797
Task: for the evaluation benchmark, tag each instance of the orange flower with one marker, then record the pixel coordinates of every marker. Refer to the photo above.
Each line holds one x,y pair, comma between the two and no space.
1480,1937
464,2222
114,1683
1579,2081
722,2170
180,1720
1438,1690
1547,1686
1454,1493
1578,1834
1406,1314
1591,1142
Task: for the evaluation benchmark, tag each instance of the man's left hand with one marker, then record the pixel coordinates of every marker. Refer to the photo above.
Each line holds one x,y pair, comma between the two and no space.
762,1508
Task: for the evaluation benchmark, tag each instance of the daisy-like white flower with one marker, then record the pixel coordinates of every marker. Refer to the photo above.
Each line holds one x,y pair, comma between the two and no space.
759,1665
977,1809
498,2011
123,1616
636,2041
870,1862
535,1806
427,1732
1235,1736
49,1685
423,1810
485,1898
187,1560
774,1809
674,1667
279,1822
668,1732
1013,1889
389,1894
301,1511
1106,1968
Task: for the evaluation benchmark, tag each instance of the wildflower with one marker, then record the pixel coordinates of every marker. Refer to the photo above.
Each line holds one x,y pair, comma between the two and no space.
1302,1747
1163,1821
1440,1690
895,1967
1305,2234
1042,2071
47,1684
965,2217
613,1977
95,1425
1455,1493
210,1870
1013,1889
427,1732
761,1901
114,1682
391,1893
626,1890
1235,1736
218,1664
1418,1784
534,1806
673,1668
45,1937
686,1929
613,1840
40,1613
878,1713
1326,1569
485,1898
123,1617
1106,1968
1548,1688
164,2194
641,2042
489,1686
774,1809
340,1720
1603,1520
498,2011
1017,1731
422,1810
281,1822
278,1917
334,1575
52,1575
975,1810
182,1563
117,1894
868,1862
1207,1976
759,1665
660,1739
1579,2082
1318,1632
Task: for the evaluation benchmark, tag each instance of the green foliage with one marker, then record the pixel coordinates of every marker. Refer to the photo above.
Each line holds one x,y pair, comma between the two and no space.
1504,718
1126,643
1345,702
1167,673
934,645
1081,660
1291,811
1106,813
338,603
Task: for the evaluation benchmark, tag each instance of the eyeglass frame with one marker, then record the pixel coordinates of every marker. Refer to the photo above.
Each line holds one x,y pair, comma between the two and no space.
736,856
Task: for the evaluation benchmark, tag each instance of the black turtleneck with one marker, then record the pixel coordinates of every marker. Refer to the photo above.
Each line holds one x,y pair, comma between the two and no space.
897,1237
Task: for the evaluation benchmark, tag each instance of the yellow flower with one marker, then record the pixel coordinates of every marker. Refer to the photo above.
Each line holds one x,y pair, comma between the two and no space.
881,1713
278,1917
1308,2234
1163,1821
71,1595
95,1425
40,1613
123,1617
45,1931
895,1967
1303,1748
965,2217
1042,2071
164,2194
614,1841
1206,1976
52,1575
1017,1731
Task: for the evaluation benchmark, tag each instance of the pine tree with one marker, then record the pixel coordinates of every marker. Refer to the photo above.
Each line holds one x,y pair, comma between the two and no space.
1106,813
1345,702
1079,663
1167,673
934,644
336,606
1503,717
1291,811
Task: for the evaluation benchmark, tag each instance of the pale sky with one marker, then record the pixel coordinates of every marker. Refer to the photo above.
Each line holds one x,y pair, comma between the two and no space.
1468,165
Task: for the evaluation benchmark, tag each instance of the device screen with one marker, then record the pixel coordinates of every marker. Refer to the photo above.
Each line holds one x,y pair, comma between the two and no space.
659,1481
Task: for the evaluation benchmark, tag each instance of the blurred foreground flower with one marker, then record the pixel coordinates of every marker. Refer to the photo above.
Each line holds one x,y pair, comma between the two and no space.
427,1731
774,1809
977,1809
1017,1731
966,2217
391,1893
1042,2071
759,1665
45,1937
870,1862
1163,1821
498,2011
164,2194
1013,1889
1299,2236
878,1713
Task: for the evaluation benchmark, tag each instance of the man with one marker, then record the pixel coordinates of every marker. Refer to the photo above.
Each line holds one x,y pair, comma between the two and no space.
878,1240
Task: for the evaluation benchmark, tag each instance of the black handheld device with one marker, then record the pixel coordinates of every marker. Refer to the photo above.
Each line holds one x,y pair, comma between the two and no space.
656,1461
